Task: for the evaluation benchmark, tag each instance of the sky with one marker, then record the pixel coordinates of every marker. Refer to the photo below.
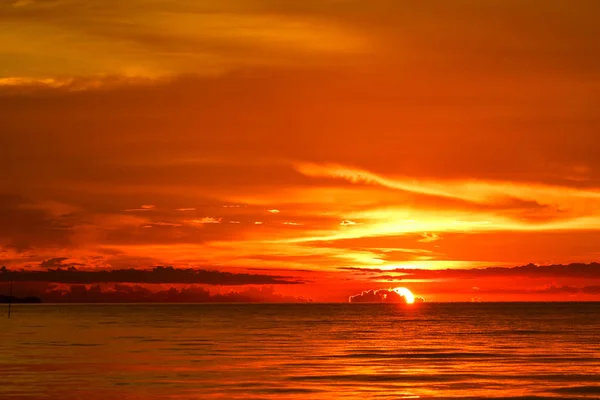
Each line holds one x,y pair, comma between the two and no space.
284,150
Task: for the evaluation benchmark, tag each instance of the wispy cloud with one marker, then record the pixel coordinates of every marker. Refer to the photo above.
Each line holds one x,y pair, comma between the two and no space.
162,223
429,237
145,207
468,190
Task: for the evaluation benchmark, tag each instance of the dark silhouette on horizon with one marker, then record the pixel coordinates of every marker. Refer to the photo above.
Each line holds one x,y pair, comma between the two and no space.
19,300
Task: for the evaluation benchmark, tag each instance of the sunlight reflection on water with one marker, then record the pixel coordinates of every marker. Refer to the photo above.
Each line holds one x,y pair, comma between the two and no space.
307,351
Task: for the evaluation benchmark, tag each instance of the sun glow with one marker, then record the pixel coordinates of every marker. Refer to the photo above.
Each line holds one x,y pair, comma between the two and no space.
407,294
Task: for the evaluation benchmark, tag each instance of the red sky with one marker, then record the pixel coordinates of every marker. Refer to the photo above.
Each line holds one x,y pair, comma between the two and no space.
325,142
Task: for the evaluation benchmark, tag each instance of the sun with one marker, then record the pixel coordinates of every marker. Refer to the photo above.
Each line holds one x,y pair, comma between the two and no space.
407,294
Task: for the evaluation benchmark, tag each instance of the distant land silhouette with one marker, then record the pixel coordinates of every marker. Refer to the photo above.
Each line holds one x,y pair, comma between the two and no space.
13,299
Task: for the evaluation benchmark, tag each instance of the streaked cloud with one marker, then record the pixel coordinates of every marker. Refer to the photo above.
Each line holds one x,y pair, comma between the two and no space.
162,223
145,207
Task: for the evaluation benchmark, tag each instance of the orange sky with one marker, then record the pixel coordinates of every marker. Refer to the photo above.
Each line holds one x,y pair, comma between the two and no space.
312,140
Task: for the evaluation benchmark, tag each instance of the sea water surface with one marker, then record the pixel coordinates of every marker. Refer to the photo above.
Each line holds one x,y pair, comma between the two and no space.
300,351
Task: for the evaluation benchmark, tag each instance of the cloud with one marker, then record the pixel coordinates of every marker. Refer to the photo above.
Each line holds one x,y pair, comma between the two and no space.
522,204
380,296
588,271
549,291
53,262
206,220
25,225
162,223
161,39
22,3
129,293
154,275
145,207
429,237
552,289
59,262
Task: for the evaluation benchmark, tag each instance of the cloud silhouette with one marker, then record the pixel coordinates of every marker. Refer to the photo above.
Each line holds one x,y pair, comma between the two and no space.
58,262
53,262
134,293
380,296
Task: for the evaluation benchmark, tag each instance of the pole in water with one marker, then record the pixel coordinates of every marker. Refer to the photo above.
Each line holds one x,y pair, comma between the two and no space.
10,298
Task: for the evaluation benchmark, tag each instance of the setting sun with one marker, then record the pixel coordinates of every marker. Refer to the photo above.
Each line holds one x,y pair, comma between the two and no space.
407,294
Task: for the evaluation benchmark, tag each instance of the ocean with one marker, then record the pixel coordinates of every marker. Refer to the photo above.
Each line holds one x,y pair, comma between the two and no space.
301,351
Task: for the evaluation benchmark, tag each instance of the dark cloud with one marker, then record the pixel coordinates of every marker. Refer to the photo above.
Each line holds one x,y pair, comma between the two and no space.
568,289
133,293
551,289
53,262
58,262
154,275
25,225
591,271
591,289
